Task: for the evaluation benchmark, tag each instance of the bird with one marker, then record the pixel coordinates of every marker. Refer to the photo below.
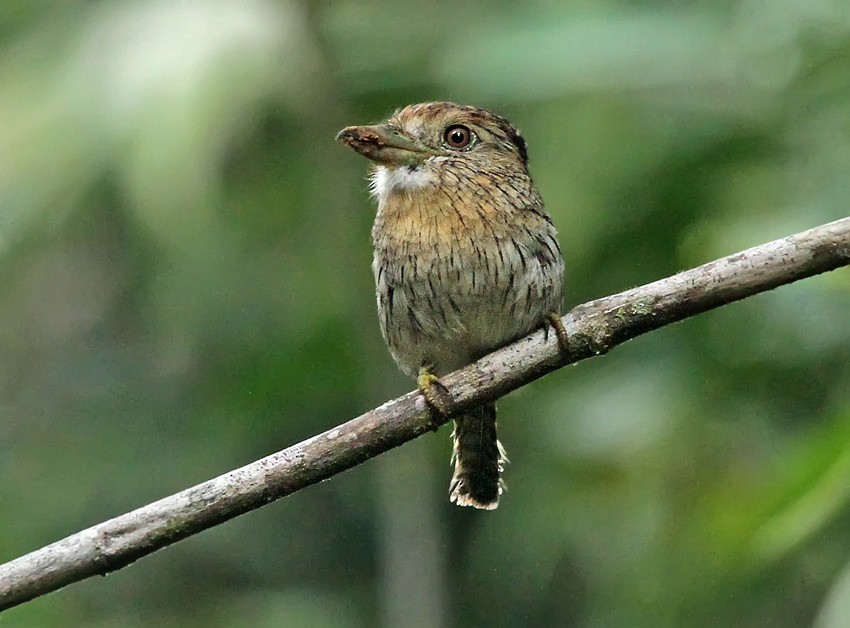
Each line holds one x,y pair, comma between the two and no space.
466,260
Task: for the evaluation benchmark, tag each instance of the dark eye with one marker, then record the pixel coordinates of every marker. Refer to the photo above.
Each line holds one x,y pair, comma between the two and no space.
458,136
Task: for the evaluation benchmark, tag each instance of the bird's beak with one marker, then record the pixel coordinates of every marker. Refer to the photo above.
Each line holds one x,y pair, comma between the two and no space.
385,145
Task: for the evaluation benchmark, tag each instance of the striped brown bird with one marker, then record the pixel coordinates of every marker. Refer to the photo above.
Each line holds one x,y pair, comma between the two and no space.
466,260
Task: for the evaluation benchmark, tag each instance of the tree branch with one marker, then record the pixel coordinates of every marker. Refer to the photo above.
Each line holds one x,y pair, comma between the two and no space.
594,328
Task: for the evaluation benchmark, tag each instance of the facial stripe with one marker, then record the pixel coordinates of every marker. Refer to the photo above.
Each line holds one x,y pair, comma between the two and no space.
415,117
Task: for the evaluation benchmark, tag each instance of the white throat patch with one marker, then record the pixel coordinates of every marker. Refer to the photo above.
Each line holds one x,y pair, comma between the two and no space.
399,179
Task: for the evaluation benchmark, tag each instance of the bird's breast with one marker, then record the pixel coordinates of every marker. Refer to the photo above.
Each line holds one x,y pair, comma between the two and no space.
457,277
437,223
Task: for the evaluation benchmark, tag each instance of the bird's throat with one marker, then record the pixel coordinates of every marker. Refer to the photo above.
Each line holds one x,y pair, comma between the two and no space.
388,180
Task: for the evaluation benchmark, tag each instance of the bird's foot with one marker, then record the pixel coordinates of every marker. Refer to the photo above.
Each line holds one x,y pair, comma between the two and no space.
553,319
436,395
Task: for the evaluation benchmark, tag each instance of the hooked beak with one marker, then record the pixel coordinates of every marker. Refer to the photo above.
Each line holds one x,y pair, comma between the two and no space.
385,145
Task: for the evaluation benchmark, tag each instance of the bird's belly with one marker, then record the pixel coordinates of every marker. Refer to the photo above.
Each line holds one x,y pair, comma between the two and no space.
450,312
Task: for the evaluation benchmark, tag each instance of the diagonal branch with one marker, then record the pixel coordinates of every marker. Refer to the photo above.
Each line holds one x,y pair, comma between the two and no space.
593,328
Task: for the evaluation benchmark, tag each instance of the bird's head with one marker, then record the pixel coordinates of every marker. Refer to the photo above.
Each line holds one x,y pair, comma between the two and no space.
426,144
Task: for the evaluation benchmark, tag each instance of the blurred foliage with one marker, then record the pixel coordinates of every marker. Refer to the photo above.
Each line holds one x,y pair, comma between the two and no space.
185,287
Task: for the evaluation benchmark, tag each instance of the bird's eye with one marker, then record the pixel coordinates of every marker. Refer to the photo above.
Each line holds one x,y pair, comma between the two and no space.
458,136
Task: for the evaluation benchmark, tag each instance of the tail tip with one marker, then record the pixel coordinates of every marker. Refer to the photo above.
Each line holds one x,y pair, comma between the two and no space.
482,499
469,500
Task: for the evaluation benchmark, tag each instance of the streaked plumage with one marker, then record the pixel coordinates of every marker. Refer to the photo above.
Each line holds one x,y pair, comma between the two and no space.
465,257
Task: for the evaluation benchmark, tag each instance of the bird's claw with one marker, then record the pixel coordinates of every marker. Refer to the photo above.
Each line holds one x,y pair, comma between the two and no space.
437,396
553,319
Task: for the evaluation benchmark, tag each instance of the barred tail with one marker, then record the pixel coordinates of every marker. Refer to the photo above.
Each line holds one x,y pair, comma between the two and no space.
479,460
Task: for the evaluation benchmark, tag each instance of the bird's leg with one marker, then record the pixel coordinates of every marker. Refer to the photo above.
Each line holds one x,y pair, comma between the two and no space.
436,395
553,319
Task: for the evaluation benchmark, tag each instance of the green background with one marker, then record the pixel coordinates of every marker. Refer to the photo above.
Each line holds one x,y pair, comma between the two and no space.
185,287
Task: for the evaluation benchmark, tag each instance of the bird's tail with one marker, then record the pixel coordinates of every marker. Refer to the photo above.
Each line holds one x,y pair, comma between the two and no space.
479,460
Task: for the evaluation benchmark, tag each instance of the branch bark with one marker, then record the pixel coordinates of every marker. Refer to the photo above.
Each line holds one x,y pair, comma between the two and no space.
594,328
